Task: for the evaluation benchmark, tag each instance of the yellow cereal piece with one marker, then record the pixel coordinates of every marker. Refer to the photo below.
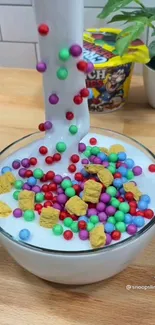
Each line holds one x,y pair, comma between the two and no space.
76,206
10,177
131,187
105,177
5,210
97,237
49,217
5,186
92,191
93,169
116,148
105,150
26,200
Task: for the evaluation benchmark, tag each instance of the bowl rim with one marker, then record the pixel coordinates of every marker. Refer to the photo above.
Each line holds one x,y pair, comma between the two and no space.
130,239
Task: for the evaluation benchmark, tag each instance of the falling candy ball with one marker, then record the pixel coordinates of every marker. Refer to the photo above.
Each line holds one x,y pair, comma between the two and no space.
75,50
43,29
64,54
62,73
41,67
90,67
53,99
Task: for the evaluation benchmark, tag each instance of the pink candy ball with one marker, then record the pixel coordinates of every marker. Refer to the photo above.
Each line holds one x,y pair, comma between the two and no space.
137,170
91,212
110,210
100,206
83,234
131,229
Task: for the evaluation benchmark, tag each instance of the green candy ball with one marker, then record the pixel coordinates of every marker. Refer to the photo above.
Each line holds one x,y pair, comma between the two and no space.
95,151
88,148
38,173
16,195
121,226
124,207
70,192
73,129
112,169
111,190
68,221
119,216
18,184
90,226
62,73
29,215
94,219
111,220
113,157
129,175
39,197
74,226
87,153
114,202
64,54
112,164
61,147
57,230
66,183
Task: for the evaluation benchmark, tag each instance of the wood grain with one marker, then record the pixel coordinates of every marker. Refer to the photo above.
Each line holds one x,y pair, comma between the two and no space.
26,299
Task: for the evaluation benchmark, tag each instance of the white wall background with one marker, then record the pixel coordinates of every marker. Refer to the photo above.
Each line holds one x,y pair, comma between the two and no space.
18,34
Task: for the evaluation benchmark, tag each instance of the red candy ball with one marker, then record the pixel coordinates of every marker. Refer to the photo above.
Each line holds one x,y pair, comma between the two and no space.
75,159
82,225
69,116
77,188
38,206
133,204
57,157
43,150
74,218
33,161
84,92
140,213
52,187
79,177
28,173
72,168
129,196
77,100
68,235
82,66
63,215
93,141
39,211
91,205
117,175
118,164
152,168
43,179
48,204
48,196
45,188
132,211
148,213
49,160
50,175
116,235
121,199
54,199
41,127
43,29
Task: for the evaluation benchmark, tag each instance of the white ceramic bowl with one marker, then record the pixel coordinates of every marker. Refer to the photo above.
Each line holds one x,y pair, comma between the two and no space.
78,267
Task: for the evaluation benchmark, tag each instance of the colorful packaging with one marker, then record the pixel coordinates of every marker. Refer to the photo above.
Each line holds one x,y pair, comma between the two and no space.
109,83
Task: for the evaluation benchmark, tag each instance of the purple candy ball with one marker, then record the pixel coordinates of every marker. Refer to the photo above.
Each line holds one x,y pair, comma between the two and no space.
53,99
102,217
105,198
90,67
41,67
21,172
36,189
137,170
131,229
118,194
85,161
57,206
110,210
62,198
82,185
16,164
91,212
66,177
108,239
57,179
17,213
91,158
82,147
75,50
105,164
48,125
97,160
25,162
27,187
100,206
60,190
83,234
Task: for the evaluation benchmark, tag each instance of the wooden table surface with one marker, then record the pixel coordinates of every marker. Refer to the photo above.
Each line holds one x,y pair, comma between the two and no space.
28,300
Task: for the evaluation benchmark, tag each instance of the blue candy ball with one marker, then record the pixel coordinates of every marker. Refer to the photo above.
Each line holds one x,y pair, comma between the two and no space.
117,182
139,221
130,163
121,156
109,227
145,198
32,181
102,156
122,170
83,218
121,190
84,172
75,182
142,205
124,180
81,195
6,169
128,218
24,234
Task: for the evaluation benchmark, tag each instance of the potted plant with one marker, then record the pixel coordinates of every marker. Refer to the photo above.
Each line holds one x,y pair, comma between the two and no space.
138,20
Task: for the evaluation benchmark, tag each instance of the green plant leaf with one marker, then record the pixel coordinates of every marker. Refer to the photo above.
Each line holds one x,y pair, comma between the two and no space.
152,49
153,34
112,6
122,45
118,18
152,18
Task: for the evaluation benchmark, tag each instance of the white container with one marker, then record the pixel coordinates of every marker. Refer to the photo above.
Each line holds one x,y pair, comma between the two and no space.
149,84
